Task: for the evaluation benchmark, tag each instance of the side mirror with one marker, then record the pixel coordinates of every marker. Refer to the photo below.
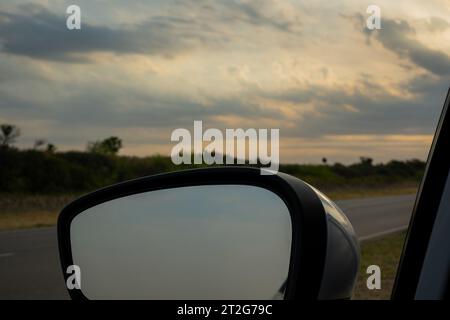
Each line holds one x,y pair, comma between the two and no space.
216,233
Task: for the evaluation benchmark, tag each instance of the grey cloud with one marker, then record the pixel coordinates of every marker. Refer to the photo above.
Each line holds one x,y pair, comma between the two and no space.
41,34
44,35
113,107
109,105
374,110
436,24
106,105
398,37
107,109
259,13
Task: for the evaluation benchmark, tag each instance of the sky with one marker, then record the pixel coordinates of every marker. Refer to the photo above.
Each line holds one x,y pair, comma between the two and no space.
140,69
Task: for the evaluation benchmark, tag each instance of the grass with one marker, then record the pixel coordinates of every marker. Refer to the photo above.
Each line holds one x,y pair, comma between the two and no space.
384,252
30,211
30,219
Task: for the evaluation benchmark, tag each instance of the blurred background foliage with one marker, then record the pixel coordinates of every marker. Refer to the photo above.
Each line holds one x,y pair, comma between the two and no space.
44,172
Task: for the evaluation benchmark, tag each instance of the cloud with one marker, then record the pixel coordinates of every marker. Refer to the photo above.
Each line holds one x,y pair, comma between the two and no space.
41,34
398,37
266,13
366,108
437,24
118,105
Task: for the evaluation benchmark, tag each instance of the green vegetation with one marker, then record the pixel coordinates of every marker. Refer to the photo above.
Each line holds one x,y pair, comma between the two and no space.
36,184
109,146
384,252
43,172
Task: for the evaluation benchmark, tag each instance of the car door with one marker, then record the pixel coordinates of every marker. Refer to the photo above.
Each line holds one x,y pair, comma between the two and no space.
425,264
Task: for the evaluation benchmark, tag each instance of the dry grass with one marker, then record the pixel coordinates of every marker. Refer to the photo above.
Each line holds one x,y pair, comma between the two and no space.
21,203
30,211
384,252
30,219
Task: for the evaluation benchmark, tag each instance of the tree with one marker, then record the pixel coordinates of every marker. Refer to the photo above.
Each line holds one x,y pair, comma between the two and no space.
44,145
39,143
51,148
8,134
324,160
366,161
109,146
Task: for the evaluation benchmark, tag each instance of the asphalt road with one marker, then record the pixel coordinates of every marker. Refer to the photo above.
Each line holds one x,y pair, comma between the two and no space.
29,263
375,217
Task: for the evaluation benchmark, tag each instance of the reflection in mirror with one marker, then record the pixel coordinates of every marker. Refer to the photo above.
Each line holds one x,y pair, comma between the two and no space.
201,242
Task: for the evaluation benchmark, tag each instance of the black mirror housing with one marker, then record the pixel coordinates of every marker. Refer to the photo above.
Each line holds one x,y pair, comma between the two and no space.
324,250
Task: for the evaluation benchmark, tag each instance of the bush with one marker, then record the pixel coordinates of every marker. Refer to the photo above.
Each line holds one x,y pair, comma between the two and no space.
40,172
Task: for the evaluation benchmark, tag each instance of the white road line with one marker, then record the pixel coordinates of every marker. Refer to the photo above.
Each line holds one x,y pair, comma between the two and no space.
383,233
5,255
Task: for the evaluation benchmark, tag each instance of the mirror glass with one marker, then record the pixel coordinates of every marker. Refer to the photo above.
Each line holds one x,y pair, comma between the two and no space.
199,242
